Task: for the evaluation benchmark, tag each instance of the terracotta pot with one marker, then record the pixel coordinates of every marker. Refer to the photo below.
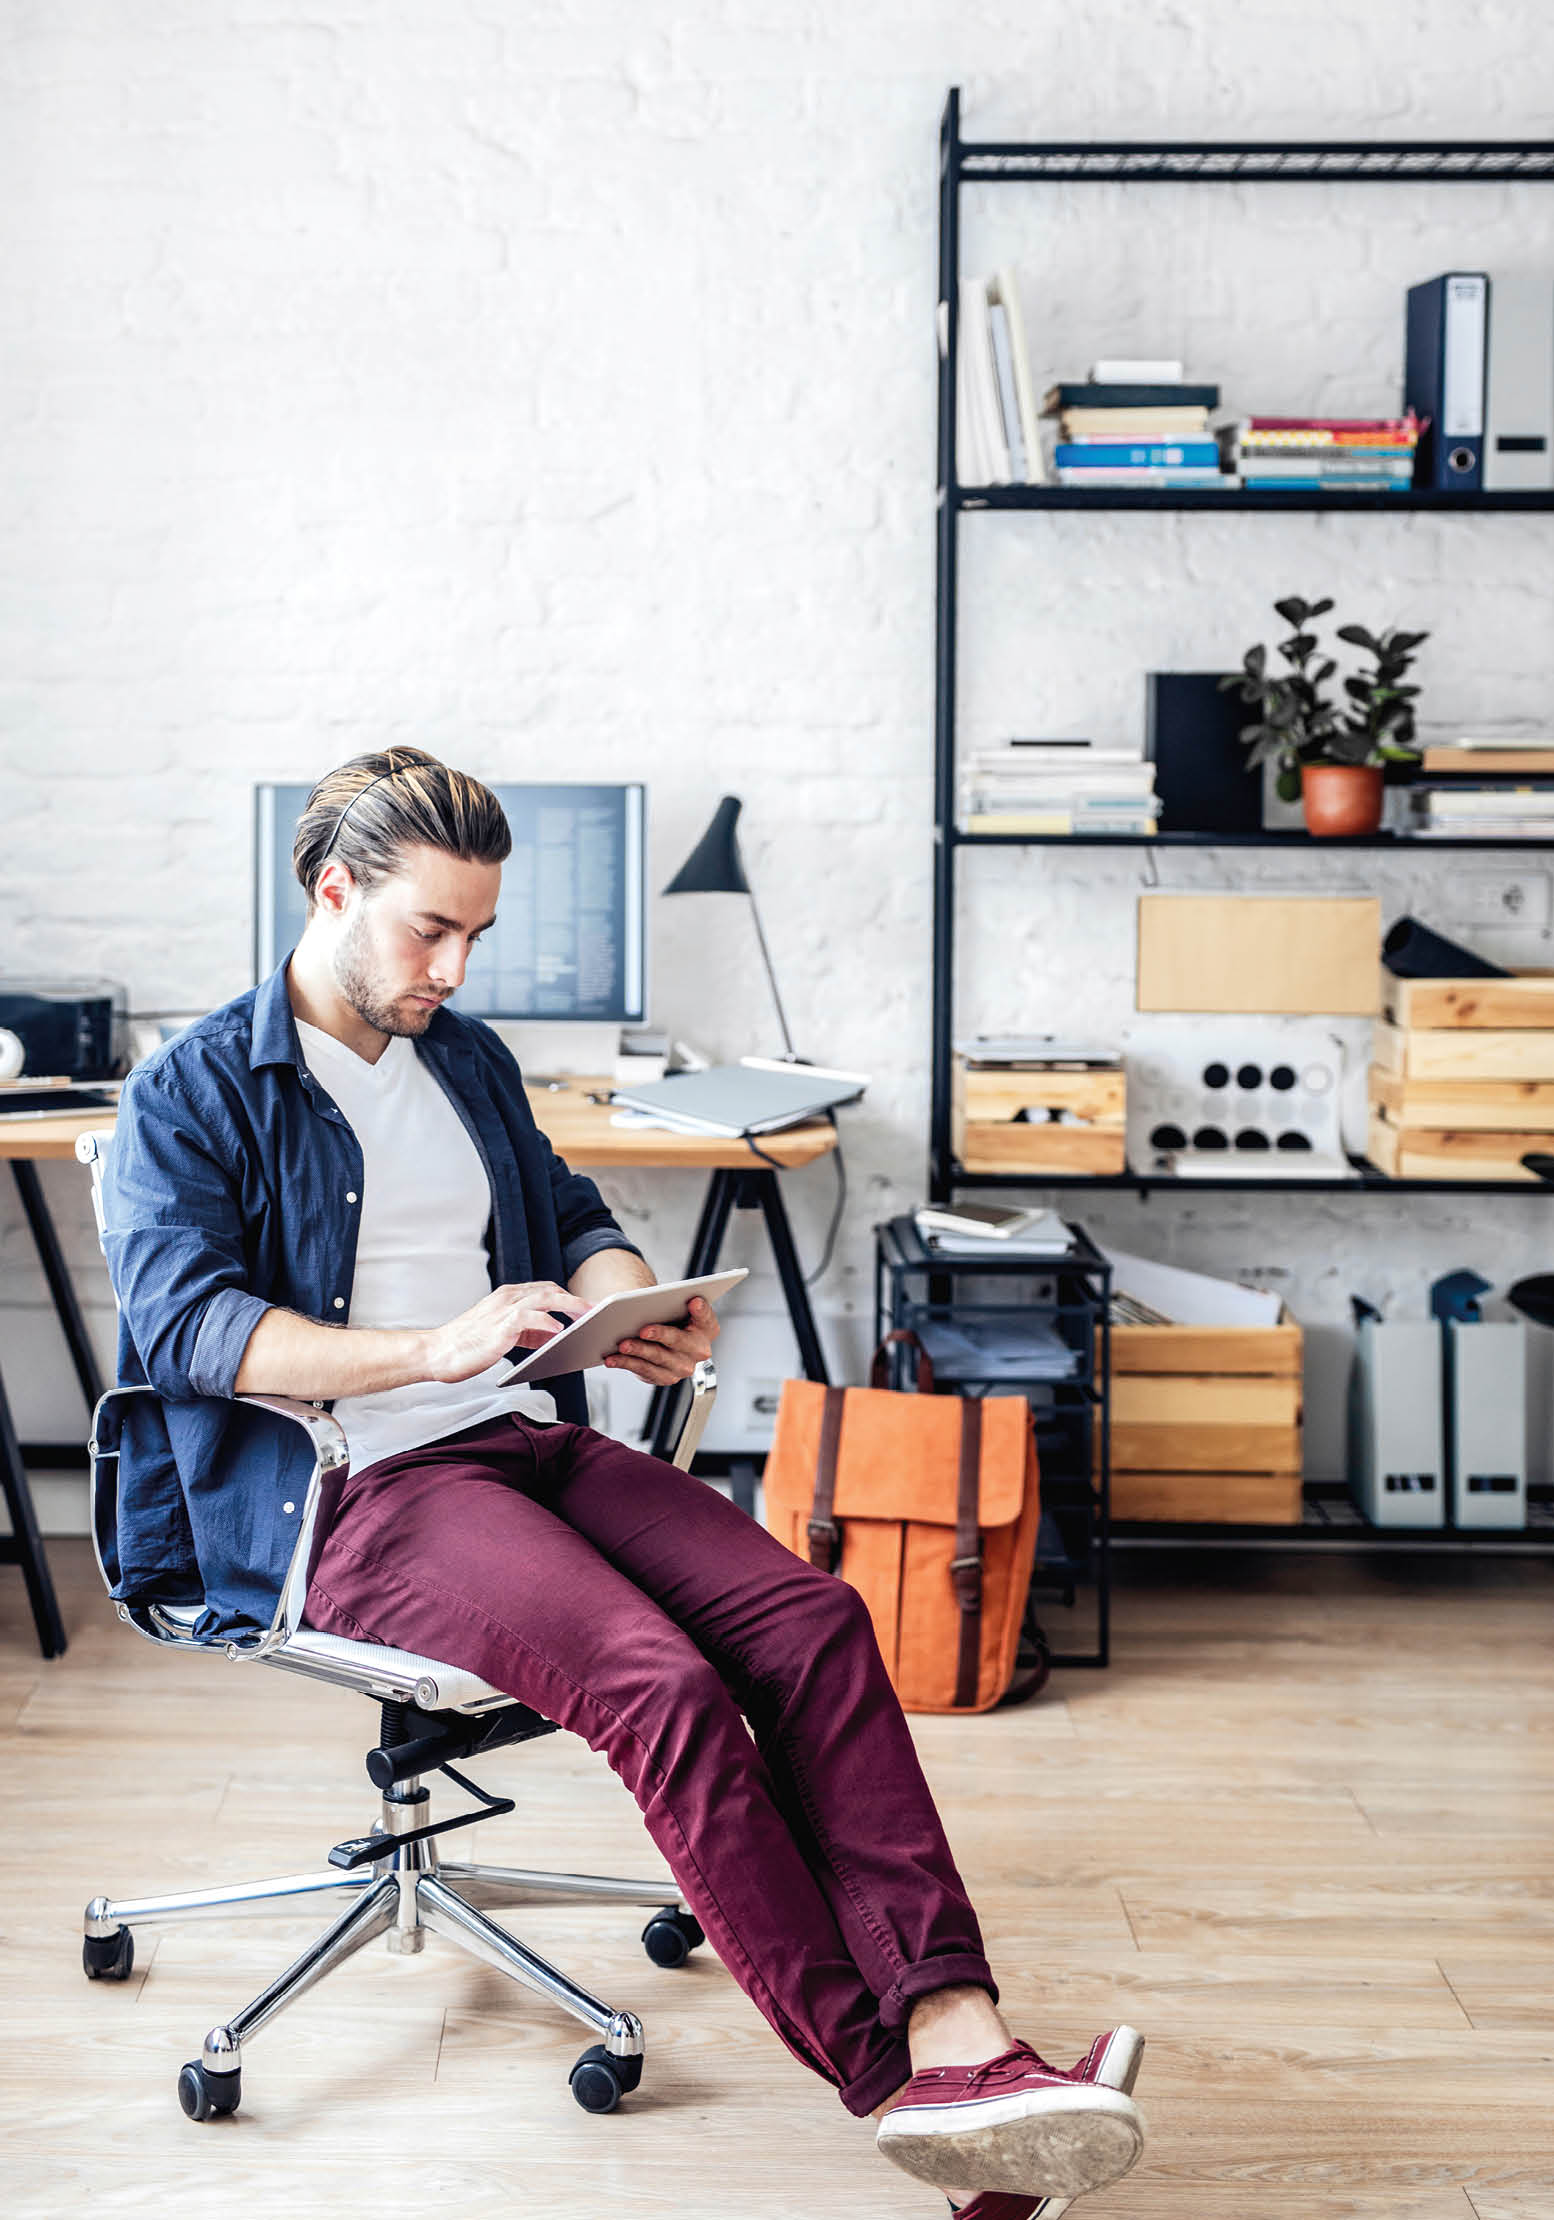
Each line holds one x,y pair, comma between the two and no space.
1340,799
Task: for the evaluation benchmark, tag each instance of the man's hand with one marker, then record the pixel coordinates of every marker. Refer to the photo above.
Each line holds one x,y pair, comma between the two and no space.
661,1355
519,1316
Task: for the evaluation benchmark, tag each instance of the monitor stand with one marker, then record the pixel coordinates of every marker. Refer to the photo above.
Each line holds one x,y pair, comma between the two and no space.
560,1049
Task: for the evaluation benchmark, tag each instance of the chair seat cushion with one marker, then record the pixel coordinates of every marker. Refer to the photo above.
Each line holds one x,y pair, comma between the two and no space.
401,1674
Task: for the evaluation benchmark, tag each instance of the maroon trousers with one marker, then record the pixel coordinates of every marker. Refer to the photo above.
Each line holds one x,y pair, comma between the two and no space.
639,1609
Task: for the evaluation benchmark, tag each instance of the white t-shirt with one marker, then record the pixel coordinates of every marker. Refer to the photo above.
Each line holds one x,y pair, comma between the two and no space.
420,1243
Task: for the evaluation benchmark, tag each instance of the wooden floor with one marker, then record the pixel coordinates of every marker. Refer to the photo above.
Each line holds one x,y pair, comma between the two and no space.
1302,1834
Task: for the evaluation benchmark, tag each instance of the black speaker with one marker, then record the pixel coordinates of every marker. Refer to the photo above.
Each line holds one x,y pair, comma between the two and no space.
1202,775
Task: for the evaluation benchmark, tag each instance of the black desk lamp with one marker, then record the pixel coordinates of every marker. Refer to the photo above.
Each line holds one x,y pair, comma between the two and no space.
715,866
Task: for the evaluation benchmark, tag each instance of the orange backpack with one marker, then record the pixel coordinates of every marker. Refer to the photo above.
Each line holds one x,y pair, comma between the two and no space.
926,1504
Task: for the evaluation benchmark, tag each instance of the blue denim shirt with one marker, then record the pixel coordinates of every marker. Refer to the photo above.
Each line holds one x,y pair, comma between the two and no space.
234,1184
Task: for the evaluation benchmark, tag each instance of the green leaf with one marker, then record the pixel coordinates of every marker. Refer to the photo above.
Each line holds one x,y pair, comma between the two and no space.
1357,636
1287,784
1293,610
1319,608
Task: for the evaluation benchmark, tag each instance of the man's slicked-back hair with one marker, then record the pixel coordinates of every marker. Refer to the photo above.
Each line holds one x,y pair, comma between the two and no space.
369,811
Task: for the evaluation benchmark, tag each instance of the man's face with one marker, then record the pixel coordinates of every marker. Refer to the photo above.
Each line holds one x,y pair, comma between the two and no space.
402,949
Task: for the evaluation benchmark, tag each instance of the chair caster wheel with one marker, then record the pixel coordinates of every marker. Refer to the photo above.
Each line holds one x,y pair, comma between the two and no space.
599,2081
108,1957
205,2095
670,1937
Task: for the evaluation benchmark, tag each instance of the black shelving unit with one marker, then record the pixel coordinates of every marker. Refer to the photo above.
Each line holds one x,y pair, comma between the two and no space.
1330,1519
989,162
918,1288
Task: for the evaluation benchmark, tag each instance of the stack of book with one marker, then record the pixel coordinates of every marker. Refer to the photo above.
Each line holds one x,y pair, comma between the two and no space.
1131,430
1371,454
1483,785
1058,787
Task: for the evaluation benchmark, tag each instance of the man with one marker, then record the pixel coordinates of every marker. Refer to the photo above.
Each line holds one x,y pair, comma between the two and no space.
334,1188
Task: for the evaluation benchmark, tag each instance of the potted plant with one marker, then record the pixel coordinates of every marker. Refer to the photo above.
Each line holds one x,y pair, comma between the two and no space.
1333,758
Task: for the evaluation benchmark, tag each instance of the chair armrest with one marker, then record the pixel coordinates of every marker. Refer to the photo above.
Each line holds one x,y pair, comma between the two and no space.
704,1393
330,1455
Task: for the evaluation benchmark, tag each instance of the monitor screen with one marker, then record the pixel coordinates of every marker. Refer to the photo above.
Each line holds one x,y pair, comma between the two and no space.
569,940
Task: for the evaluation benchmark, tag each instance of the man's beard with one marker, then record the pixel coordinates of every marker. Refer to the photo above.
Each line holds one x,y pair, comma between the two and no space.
354,978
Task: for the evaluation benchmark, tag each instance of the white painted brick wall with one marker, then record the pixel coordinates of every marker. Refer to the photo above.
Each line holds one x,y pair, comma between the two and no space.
553,385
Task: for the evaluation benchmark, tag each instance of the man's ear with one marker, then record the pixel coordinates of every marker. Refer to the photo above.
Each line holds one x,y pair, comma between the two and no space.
333,889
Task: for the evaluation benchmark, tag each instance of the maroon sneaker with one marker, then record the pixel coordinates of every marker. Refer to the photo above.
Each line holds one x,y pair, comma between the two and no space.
1018,2126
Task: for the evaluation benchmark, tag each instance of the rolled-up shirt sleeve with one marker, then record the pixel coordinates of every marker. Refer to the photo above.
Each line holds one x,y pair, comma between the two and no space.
174,1241
583,1218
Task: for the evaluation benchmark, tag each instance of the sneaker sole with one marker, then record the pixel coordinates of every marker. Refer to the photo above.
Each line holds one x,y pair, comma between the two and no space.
1119,2069
1054,2142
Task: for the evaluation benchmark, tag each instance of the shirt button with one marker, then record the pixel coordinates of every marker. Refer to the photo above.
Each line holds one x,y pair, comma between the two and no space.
351,1197
288,1508
339,1302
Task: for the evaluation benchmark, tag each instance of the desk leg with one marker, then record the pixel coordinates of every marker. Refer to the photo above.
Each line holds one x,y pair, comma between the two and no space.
659,1430
51,1256
756,1190
25,1547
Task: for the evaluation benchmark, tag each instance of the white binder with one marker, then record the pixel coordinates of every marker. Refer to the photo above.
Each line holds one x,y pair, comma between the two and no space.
1487,1429
1396,1466
1519,416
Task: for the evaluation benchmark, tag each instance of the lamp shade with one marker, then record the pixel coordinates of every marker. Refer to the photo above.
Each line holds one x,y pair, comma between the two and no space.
714,865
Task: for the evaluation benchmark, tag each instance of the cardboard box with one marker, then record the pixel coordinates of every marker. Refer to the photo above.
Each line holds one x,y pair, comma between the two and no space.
1298,955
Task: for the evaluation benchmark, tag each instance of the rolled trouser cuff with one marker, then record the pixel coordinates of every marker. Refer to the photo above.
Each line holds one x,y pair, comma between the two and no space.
966,1970
890,2072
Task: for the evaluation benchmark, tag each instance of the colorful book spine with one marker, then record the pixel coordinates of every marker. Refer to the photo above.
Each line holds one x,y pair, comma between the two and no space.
1117,454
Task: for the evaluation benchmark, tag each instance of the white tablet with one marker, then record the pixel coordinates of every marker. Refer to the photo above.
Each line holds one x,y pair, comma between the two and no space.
600,1331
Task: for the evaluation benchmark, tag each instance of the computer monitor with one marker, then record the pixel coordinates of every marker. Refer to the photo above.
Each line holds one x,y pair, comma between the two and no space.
569,942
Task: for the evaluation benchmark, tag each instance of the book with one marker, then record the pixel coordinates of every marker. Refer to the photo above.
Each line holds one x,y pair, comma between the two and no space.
1143,371
1405,429
1465,759
1079,454
1060,822
1101,478
1151,394
982,1221
979,378
1337,471
1004,288
1008,404
1141,423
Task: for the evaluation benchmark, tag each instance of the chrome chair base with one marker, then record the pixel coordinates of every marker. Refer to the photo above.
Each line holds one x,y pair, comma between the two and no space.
404,1895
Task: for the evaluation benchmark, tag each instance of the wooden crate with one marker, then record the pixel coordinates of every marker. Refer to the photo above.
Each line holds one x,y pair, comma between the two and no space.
1206,1423
1524,1002
1477,1105
991,1135
1497,1053
1422,1152
1209,1498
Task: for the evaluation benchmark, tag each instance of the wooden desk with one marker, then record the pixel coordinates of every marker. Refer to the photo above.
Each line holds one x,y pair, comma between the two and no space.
585,1135
26,1142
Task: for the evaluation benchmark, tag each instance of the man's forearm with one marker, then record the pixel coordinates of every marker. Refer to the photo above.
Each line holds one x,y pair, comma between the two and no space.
610,1272
290,1355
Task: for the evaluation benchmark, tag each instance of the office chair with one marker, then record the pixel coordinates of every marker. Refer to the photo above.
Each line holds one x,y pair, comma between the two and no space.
390,1882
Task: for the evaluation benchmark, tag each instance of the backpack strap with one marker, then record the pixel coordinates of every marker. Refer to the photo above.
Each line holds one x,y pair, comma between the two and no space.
825,1536
966,1565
